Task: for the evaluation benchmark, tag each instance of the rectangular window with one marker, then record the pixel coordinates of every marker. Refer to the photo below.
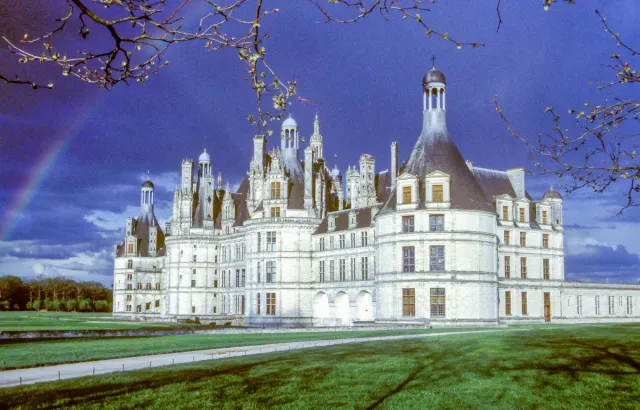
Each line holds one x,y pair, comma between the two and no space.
193,283
629,305
437,257
364,267
243,278
579,304
343,270
271,241
408,259
195,258
507,238
128,308
544,217
436,223
612,305
545,240
524,303
409,302
507,266
523,268
353,240
546,270
332,242
129,286
193,271
258,304
507,303
321,244
437,193
130,248
505,213
342,240
193,309
260,241
521,214
352,269
271,271
237,278
437,302
363,238
130,264
271,303
129,297
406,195
321,269
242,304
215,283
157,303
597,305
129,276
275,212
275,190
407,224
258,271
331,270
523,239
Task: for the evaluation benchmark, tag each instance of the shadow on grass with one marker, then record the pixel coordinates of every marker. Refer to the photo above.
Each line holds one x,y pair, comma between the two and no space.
537,368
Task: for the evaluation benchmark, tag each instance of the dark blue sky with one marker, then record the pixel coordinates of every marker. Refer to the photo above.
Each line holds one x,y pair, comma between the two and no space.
63,217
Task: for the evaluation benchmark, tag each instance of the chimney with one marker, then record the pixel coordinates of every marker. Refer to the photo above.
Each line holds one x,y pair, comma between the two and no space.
516,176
394,163
259,143
308,178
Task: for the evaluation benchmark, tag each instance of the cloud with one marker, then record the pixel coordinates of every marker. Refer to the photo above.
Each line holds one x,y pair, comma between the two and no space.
111,221
600,263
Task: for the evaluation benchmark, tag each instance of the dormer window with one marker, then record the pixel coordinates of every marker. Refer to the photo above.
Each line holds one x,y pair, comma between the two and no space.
352,218
275,190
437,193
332,222
406,195
275,212
521,215
544,218
505,213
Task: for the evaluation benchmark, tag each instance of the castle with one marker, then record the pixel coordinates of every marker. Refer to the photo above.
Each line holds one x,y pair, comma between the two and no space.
433,241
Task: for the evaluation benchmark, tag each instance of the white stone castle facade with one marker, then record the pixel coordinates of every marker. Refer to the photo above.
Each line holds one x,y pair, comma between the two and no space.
433,241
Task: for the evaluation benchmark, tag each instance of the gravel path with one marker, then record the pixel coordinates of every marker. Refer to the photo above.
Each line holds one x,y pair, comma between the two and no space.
33,375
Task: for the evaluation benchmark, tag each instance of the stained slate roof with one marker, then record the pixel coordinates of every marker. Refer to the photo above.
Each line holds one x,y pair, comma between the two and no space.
363,220
141,232
435,151
382,183
493,183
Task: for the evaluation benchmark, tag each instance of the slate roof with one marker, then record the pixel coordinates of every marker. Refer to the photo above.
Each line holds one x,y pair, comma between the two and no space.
363,220
141,232
436,151
493,183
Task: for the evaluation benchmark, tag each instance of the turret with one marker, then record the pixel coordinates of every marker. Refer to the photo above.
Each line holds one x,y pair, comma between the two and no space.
204,163
289,134
316,141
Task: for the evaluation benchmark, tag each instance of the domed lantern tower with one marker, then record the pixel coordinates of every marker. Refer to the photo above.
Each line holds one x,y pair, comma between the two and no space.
433,85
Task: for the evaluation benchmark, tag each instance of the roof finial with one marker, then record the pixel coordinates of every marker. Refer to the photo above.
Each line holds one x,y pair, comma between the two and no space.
316,115
433,62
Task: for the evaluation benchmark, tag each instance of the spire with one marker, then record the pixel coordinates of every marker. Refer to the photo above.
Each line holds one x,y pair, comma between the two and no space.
316,125
433,62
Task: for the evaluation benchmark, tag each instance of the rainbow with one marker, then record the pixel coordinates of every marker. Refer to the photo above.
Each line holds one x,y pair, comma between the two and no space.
35,179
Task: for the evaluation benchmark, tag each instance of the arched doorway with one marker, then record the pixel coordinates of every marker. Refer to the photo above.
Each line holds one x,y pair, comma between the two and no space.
364,302
320,309
341,307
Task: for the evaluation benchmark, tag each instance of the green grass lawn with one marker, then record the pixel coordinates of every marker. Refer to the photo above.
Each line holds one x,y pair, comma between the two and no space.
25,321
26,353
572,367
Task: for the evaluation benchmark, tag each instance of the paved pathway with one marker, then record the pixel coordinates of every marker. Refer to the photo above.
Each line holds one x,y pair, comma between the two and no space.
68,371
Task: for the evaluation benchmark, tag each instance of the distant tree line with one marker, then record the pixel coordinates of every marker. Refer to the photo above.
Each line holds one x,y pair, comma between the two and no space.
54,294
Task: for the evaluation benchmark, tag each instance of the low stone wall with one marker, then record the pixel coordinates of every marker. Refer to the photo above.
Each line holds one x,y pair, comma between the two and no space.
63,334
